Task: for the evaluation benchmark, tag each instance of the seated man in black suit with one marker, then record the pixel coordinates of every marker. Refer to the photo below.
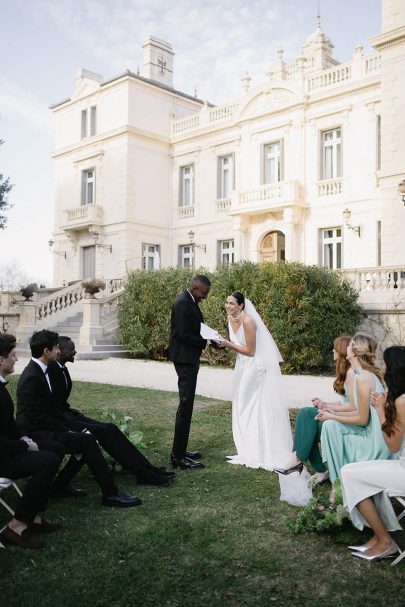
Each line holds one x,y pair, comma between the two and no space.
108,435
37,416
20,457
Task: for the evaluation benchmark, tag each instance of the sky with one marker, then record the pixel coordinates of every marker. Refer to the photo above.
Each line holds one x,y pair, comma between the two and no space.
45,42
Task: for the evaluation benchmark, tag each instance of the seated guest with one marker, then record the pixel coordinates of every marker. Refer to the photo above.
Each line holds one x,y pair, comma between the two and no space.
37,416
355,436
368,485
307,433
108,435
21,457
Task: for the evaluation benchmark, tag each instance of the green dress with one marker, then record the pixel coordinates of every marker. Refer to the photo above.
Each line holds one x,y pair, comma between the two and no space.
346,443
307,435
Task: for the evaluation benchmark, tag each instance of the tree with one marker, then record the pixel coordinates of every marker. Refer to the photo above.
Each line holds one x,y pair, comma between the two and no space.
5,187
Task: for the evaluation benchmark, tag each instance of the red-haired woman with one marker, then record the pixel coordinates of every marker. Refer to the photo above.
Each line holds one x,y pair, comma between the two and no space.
307,434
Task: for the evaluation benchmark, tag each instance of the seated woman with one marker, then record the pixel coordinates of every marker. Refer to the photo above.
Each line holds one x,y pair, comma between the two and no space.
308,429
355,436
367,485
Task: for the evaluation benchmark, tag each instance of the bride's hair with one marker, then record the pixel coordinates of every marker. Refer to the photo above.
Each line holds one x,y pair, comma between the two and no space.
342,364
394,376
364,348
240,298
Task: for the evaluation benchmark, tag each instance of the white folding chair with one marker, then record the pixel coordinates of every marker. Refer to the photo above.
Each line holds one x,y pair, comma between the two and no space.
400,500
5,483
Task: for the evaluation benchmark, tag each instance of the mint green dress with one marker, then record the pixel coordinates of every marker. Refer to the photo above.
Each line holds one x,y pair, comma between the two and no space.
346,443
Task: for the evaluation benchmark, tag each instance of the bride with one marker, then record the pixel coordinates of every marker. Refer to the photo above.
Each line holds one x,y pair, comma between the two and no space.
260,421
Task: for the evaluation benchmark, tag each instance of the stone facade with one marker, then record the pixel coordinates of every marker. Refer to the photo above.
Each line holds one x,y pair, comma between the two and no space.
149,177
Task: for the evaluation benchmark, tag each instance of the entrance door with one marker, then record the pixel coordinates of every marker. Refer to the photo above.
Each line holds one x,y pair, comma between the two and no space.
88,262
273,247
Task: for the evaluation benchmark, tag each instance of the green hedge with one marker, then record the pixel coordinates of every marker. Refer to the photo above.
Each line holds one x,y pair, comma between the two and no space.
305,308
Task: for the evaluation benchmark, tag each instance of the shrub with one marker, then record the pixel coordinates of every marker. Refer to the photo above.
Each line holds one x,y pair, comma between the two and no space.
305,308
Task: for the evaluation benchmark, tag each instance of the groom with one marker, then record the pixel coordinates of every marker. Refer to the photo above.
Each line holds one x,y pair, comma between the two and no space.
185,347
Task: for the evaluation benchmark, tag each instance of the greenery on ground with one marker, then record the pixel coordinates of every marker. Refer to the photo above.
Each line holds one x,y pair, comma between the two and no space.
215,538
305,307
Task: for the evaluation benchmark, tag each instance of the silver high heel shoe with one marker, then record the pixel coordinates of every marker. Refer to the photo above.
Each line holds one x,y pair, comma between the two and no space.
386,554
359,548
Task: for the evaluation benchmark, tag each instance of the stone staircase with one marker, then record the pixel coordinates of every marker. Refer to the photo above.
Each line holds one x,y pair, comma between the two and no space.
62,312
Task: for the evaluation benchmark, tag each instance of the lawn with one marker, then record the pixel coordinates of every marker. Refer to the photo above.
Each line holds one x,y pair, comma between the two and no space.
216,538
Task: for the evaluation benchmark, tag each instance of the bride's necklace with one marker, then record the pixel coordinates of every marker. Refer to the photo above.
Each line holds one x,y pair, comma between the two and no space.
236,318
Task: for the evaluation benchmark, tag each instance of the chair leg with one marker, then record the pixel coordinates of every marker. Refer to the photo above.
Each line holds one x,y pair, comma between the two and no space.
399,558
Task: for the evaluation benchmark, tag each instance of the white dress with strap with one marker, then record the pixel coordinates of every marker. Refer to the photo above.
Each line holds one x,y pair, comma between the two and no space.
377,479
260,421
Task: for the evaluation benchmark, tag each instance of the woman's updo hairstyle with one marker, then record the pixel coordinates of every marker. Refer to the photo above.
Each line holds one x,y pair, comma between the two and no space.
240,298
364,348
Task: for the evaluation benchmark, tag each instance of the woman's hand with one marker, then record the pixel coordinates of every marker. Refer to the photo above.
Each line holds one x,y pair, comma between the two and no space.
318,403
323,415
378,399
222,343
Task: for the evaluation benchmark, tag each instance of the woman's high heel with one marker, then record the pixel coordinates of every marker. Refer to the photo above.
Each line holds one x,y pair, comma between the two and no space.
298,468
386,554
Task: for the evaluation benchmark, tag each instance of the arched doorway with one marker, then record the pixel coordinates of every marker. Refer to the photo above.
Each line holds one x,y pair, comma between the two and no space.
273,247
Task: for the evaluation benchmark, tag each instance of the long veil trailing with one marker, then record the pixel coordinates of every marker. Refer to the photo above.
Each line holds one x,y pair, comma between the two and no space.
266,347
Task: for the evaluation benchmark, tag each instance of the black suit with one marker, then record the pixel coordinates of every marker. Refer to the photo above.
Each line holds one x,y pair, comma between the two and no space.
108,435
185,347
38,415
17,462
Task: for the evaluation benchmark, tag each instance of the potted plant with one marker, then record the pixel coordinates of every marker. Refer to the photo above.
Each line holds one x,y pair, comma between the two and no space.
93,286
28,291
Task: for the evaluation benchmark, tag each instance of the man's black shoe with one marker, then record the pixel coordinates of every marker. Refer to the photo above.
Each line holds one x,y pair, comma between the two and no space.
121,500
193,454
168,473
186,463
152,478
67,492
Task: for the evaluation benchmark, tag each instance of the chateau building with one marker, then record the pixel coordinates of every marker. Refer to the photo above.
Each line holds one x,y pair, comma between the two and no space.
304,166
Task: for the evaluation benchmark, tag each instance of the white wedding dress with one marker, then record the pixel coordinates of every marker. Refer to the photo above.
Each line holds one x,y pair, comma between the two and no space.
378,479
260,421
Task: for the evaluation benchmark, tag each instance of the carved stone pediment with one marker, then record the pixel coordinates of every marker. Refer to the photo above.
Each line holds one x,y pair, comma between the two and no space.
268,100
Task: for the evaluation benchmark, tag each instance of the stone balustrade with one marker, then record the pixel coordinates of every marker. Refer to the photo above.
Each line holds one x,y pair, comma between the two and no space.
330,187
185,124
222,112
186,212
378,279
223,205
82,216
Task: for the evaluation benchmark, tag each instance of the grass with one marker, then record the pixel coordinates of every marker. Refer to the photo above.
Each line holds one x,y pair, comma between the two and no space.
216,538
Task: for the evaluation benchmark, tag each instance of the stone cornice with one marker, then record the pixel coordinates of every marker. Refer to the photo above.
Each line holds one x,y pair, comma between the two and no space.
125,130
387,39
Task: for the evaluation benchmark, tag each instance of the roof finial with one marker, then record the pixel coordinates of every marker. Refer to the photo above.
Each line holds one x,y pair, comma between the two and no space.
318,17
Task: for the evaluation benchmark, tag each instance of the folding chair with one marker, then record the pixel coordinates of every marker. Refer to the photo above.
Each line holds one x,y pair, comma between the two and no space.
401,500
5,483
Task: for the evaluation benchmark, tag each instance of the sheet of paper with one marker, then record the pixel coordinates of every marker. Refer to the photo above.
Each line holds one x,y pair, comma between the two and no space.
207,333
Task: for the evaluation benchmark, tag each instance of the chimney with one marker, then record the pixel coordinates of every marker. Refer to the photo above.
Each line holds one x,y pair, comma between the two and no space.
158,61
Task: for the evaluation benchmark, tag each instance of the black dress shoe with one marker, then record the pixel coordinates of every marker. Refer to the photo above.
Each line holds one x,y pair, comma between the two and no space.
44,527
121,500
67,492
168,473
153,478
186,463
193,454
26,540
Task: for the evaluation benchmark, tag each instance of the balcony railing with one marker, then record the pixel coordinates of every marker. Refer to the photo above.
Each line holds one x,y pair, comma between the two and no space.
186,212
223,205
268,196
378,279
330,187
80,217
